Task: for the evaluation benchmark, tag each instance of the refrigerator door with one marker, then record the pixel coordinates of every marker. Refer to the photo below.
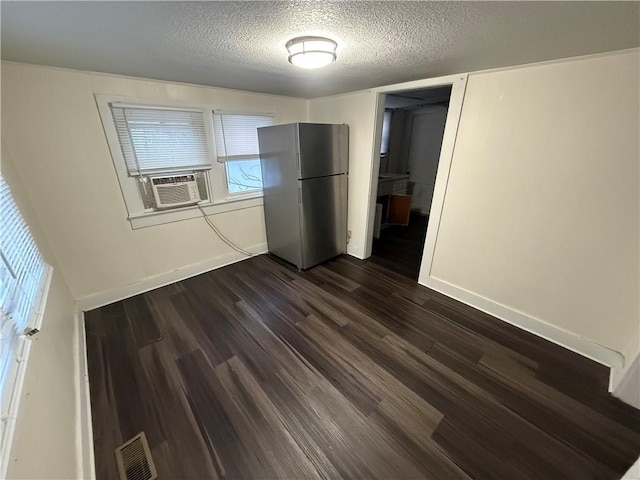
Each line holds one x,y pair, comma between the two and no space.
323,218
324,150
278,157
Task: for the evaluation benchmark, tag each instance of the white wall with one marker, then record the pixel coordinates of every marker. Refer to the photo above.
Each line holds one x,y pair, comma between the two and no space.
53,131
541,213
398,147
44,442
358,110
425,141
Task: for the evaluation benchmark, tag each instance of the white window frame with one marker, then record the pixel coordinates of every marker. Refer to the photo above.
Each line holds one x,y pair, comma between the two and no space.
16,375
220,200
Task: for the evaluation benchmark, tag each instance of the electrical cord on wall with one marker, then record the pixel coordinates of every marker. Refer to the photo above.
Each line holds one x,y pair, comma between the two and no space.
221,236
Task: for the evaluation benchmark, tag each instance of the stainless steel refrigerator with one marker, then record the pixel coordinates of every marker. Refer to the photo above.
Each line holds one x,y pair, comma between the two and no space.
304,176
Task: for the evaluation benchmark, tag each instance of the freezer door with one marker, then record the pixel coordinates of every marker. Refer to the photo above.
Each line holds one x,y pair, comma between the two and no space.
324,150
278,157
323,218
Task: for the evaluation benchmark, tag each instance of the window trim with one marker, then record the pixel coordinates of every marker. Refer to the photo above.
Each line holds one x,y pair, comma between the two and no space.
220,200
16,374
160,217
8,429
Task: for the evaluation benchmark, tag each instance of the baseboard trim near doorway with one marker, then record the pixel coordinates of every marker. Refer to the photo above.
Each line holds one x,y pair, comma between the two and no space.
583,346
84,427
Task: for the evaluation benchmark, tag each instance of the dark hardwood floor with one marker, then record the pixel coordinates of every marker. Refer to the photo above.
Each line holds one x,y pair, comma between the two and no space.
348,370
400,248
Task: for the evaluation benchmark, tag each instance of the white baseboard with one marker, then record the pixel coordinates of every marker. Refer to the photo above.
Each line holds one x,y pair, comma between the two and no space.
355,251
625,381
96,300
634,472
627,388
84,425
620,373
568,340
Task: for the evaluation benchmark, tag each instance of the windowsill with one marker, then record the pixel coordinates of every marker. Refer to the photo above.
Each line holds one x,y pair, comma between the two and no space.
159,217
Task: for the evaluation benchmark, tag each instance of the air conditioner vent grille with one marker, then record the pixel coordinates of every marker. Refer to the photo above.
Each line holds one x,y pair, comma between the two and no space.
173,194
175,190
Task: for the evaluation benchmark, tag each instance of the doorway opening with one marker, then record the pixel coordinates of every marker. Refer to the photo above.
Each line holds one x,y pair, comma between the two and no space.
413,127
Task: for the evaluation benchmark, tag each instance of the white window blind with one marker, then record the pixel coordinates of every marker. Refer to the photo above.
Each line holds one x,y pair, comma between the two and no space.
22,272
155,139
236,135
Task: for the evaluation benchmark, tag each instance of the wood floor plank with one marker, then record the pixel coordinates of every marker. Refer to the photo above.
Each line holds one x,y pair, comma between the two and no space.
141,320
519,424
361,440
282,356
456,397
106,320
182,433
398,404
178,337
333,278
106,434
353,387
128,382
472,455
545,353
206,325
258,422
350,370
356,447
573,418
203,391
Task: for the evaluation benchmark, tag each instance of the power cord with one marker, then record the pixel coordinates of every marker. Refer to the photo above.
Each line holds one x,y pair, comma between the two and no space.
221,236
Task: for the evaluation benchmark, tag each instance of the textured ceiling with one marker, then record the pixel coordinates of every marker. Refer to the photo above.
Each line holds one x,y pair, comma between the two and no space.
241,44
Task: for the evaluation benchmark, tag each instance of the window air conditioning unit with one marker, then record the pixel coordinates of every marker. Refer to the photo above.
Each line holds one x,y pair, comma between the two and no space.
175,190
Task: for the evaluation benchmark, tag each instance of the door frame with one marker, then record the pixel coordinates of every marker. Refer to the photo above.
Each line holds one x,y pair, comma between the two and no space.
458,87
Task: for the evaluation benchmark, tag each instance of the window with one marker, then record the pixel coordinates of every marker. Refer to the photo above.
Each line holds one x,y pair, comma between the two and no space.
157,141
179,141
23,281
386,128
160,140
236,137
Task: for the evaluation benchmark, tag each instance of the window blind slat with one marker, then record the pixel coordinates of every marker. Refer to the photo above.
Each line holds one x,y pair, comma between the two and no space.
236,135
157,139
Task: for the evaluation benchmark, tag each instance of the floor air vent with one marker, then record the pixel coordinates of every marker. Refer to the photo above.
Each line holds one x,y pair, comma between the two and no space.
134,460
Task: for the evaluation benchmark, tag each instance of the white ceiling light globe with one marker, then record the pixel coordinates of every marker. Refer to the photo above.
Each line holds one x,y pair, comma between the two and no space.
312,59
311,52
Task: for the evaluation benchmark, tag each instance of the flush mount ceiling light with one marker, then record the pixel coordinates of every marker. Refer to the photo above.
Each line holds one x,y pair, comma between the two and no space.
311,52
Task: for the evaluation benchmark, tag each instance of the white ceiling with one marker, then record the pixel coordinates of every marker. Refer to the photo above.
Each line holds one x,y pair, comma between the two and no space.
241,44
